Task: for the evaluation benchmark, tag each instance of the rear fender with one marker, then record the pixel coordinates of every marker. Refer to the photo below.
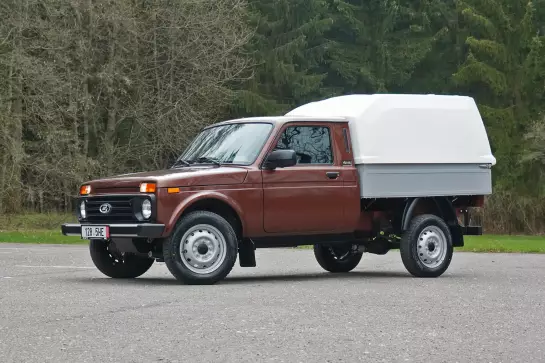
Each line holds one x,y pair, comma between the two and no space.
443,208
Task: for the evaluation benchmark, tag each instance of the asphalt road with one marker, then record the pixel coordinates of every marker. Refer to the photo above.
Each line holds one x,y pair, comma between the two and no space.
56,307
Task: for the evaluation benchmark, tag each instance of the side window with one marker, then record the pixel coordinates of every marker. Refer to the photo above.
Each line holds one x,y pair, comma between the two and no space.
311,143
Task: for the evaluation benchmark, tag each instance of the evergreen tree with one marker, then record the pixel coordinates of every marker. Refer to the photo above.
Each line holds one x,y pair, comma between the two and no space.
504,71
287,49
434,72
377,44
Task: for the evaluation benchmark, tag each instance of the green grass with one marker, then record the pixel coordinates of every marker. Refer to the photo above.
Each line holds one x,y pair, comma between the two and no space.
504,243
43,236
36,228
35,221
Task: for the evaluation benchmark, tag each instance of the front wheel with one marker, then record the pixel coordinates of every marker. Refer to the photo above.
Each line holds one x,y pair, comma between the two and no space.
202,249
426,247
112,264
337,258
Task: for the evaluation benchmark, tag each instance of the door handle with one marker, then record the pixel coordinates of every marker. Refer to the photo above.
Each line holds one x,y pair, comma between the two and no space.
332,174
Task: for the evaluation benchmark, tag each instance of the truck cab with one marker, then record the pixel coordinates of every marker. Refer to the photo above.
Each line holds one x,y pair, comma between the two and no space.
265,182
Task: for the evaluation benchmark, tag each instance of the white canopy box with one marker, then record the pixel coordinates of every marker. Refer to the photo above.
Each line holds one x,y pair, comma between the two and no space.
413,145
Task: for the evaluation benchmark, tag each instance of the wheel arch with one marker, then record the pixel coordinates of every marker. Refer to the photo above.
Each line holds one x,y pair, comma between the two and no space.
441,207
212,202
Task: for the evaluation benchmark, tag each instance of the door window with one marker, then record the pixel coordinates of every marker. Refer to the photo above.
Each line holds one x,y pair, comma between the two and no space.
311,143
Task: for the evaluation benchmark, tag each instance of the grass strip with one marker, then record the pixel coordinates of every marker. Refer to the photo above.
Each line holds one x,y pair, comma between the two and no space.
39,237
484,243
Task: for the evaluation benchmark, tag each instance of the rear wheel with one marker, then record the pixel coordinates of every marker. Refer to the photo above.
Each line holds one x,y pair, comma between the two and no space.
426,247
113,264
337,258
202,249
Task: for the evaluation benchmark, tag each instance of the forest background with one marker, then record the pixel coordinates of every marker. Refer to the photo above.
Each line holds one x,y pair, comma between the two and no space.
90,88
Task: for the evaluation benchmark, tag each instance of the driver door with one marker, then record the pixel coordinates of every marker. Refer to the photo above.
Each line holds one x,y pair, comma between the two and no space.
307,197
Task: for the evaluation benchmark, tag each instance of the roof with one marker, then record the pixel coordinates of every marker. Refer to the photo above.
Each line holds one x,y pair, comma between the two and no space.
353,105
280,120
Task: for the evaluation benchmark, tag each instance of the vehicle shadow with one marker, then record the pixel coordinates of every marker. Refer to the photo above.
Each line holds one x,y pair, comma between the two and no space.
248,279
354,275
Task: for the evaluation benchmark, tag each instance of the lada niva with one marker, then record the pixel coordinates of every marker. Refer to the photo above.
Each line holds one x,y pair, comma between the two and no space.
347,175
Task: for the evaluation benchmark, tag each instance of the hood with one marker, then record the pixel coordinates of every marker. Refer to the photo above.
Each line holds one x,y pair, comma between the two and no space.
179,177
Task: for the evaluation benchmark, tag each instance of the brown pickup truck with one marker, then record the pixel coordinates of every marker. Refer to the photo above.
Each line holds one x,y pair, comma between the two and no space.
325,175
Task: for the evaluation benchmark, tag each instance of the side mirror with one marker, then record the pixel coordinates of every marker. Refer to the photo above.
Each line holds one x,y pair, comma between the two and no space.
280,159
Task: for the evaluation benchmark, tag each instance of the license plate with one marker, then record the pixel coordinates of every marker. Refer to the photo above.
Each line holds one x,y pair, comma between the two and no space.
95,232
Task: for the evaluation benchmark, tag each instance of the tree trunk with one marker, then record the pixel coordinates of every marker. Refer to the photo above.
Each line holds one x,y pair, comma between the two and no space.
85,117
86,80
109,142
110,132
17,152
6,142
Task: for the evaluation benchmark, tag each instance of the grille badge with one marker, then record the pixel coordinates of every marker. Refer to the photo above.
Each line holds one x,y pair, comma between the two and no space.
105,208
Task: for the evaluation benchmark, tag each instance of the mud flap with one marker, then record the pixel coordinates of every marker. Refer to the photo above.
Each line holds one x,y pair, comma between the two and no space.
246,253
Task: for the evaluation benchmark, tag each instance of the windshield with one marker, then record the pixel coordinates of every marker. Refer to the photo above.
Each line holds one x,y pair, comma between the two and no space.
228,144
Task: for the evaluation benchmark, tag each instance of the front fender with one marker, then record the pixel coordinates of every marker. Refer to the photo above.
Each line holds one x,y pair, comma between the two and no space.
199,196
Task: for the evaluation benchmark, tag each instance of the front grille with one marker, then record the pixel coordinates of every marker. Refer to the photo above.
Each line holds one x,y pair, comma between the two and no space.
121,209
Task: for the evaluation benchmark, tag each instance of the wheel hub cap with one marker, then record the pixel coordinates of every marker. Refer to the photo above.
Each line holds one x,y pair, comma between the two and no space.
203,249
432,246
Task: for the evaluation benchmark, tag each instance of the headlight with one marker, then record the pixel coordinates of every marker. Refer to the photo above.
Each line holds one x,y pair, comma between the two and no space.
146,208
82,211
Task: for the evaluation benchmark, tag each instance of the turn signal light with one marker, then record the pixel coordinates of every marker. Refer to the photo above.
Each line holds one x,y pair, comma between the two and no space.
85,190
173,190
148,187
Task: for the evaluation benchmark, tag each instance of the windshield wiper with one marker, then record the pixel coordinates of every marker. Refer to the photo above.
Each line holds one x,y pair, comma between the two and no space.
181,161
206,159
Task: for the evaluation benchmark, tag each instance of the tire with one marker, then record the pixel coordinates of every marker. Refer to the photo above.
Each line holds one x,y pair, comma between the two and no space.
426,247
110,264
334,258
209,250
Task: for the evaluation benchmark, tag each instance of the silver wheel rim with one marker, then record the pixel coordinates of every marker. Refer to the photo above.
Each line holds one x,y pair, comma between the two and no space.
203,249
432,247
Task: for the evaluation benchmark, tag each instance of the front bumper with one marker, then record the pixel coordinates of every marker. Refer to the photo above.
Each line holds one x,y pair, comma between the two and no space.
147,230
